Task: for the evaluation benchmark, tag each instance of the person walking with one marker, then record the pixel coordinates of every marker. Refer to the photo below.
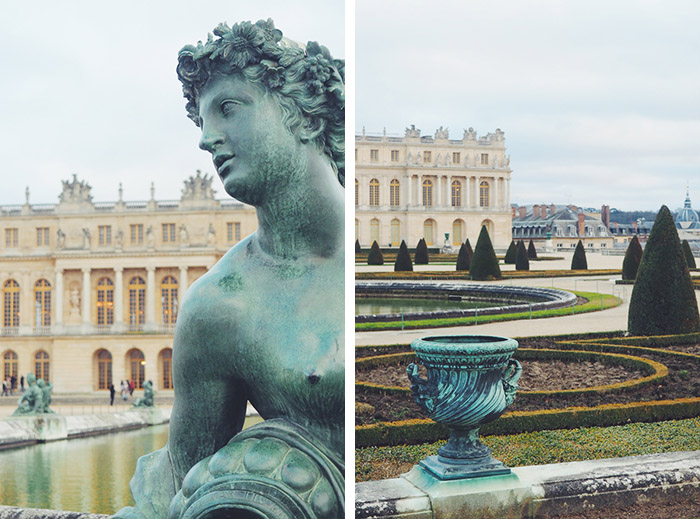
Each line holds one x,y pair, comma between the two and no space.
131,387
4,388
124,390
112,391
21,383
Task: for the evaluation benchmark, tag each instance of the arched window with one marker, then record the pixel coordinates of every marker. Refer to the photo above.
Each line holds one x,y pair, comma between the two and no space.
428,193
484,194
357,192
9,365
41,365
374,230
42,303
137,367
429,231
456,193
395,233
374,192
105,302
489,227
168,299
137,302
10,292
457,232
394,196
166,368
104,369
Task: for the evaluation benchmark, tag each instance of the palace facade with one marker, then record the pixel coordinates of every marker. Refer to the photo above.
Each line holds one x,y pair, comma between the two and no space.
91,290
413,187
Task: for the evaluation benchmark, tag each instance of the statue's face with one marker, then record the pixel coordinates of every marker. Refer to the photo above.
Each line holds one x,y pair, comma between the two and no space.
254,153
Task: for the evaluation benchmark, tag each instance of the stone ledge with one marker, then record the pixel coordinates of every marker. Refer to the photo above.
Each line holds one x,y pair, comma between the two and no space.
14,512
537,491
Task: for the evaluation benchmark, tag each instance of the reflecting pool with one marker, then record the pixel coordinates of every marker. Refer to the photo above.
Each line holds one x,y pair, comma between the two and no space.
397,305
85,474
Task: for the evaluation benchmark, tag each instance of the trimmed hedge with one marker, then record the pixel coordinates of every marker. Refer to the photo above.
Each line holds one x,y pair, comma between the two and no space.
421,255
579,262
511,254
522,262
633,255
531,251
358,249
663,299
375,256
403,259
484,264
464,257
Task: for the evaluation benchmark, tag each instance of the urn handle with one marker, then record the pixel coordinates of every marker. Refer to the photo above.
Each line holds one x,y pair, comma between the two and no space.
510,376
420,388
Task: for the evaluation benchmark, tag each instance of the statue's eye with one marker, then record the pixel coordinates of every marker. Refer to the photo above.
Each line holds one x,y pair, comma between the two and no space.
228,106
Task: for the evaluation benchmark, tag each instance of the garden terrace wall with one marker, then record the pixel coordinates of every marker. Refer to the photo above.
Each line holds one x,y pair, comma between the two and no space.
537,298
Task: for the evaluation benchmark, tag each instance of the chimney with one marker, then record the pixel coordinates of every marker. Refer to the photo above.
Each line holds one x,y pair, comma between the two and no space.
544,210
552,209
535,211
581,225
523,212
573,208
605,215
513,210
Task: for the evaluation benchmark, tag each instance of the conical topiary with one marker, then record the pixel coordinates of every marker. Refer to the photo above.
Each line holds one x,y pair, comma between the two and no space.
464,257
689,258
421,255
511,254
403,259
531,251
633,256
358,249
578,262
375,256
484,264
663,300
522,262
470,251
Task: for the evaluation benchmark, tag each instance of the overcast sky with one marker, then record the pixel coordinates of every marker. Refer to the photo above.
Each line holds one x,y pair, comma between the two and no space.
89,88
599,100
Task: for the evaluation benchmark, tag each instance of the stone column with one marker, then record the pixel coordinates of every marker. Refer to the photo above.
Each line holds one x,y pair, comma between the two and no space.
183,285
409,190
86,299
118,299
150,298
477,202
438,201
496,195
58,320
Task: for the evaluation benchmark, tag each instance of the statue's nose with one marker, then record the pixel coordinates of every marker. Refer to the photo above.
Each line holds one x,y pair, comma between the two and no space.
210,140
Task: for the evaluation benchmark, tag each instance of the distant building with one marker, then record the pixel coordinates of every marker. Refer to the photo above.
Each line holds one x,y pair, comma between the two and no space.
561,227
91,290
413,187
688,223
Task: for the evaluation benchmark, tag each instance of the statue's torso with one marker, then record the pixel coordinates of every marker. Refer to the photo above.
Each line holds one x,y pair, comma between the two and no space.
278,328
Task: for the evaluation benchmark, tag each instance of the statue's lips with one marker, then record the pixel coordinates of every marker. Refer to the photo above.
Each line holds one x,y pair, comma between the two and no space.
222,163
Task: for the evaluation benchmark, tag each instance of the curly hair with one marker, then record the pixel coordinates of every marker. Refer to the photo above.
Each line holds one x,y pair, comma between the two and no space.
307,82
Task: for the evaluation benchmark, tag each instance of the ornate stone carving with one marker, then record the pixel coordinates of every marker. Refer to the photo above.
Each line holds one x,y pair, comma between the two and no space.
60,239
412,131
75,191
198,187
442,134
469,135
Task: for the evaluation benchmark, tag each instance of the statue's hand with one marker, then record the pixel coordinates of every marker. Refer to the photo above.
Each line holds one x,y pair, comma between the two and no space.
420,388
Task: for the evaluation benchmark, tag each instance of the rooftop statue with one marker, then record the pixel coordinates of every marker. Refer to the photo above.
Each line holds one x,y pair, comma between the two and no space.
265,324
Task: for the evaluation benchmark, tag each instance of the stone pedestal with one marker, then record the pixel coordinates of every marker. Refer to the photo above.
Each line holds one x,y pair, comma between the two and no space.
42,428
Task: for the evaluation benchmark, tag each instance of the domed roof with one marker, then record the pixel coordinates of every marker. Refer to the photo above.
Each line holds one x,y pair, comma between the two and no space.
687,217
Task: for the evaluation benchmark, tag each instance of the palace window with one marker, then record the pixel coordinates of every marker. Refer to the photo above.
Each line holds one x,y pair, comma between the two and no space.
11,303
457,232
357,192
42,303
427,156
11,237
41,365
374,192
456,157
168,299
374,230
9,365
137,302
484,194
456,193
168,232
428,193
42,236
233,231
137,367
104,234
374,155
395,233
484,159
394,155
104,369
429,231
105,302
136,233
166,368
394,193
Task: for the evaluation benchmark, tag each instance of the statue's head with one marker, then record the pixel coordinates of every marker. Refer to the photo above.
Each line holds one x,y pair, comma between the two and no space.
31,379
41,383
306,82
